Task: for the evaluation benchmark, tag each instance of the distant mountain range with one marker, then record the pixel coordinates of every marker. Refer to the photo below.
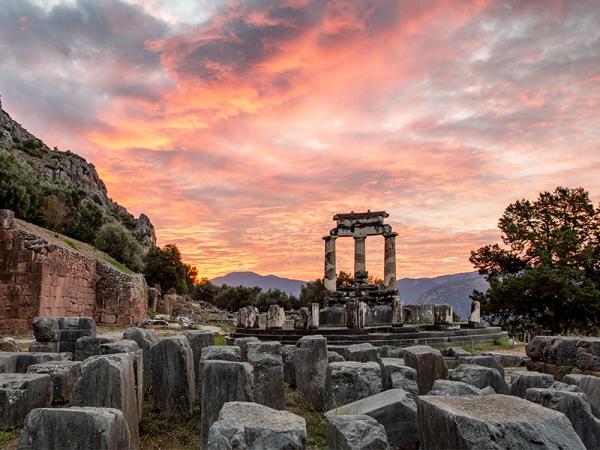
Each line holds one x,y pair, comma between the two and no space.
452,289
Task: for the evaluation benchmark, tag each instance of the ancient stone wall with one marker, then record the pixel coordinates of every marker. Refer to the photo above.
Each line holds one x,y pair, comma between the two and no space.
38,278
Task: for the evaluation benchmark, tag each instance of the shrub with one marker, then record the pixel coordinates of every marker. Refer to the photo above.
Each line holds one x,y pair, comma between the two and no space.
118,242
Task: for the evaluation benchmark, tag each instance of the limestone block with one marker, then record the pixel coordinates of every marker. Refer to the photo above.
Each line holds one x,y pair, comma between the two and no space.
75,429
356,314
268,347
333,316
222,382
56,329
485,361
244,425
588,384
395,365
429,364
334,357
361,353
356,432
268,378
248,317
522,380
7,219
397,312
562,352
173,376
473,422
475,316
313,317
588,354
449,388
442,314
19,394
426,315
241,343
536,348
8,345
153,296
479,376
199,339
221,352
394,409
289,368
310,360
63,375
145,339
389,351
89,346
575,407
18,362
275,317
456,352
412,314
349,381
301,323
108,381
508,359
402,380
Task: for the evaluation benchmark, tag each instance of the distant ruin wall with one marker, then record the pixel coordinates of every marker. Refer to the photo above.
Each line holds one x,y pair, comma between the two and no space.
42,279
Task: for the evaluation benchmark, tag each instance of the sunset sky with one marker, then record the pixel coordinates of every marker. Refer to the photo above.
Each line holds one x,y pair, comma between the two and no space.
241,127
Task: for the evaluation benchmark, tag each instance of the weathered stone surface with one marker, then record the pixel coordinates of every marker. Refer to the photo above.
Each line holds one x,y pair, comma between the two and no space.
442,314
8,345
289,368
242,342
520,381
145,339
248,317
333,316
19,394
492,422
455,352
268,377
356,432
349,381
153,296
56,329
577,409
221,352
392,365
275,317
89,346
108,381
356,314
301,322
397,312
389,351
7,218
310,359
449,388
508,359
313,317
244,425
173,376
268,347
588,384
199,339
536,347
588,354
429,364
361,353
334,357
485,361
63,375
405,380
222,382
18,362
475,316
394,409
75,429
479,376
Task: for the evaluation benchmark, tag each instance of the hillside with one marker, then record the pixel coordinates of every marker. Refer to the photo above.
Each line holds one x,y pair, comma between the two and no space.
453,289
70,175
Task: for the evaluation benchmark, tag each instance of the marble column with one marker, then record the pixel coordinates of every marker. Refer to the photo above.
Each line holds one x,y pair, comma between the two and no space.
389,268
360,258
475,316
397,311
330,273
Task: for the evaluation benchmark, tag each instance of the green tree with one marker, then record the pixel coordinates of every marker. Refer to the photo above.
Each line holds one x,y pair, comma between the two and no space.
272,297
205,291
114,239
547,272
87,221
20,188
313,292
54,211
234,298
343,279
165,267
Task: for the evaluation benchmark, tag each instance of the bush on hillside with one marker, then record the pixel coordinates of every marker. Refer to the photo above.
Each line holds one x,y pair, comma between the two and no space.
164,266
118,242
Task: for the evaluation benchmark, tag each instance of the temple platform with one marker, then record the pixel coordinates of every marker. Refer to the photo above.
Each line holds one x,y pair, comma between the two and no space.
404,336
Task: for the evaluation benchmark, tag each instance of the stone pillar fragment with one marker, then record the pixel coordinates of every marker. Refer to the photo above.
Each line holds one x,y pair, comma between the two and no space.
313,317
7,219
330,271
360,259
475,316
389,268
275,317
442,314
356,314
397,311
310,362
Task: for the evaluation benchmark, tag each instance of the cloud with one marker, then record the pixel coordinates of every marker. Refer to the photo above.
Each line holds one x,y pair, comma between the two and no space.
241,127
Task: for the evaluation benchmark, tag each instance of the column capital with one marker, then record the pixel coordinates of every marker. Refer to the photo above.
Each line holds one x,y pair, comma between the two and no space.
329,237
389,235
359,238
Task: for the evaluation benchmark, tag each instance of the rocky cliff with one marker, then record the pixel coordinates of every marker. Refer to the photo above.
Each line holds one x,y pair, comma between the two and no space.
71,170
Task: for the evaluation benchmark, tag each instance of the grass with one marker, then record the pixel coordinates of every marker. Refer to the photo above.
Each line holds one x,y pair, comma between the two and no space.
158,432
117,265
8,439
479,347
219,339
316,423
71,244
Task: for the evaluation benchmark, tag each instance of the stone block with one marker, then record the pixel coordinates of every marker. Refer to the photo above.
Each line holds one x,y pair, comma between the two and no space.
361,353
334,357
485,361
577,409
222,382
508,359
221,352
63,375
199,339
536,348
241,343
588,384
480,377
301,322
455,352
310,360
8,345
145,339
389,351
588,354
475,316
397,312
18,362
268,377
449,388
333,316
313,317
356,432
394,409
492,421
289,368
56,329
429,364
268,347
244,425
173,376
442,314
89,346
391,365
522,380
7,219
275,317
356,315
349,381
75,429
19,394
108,381
247,317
